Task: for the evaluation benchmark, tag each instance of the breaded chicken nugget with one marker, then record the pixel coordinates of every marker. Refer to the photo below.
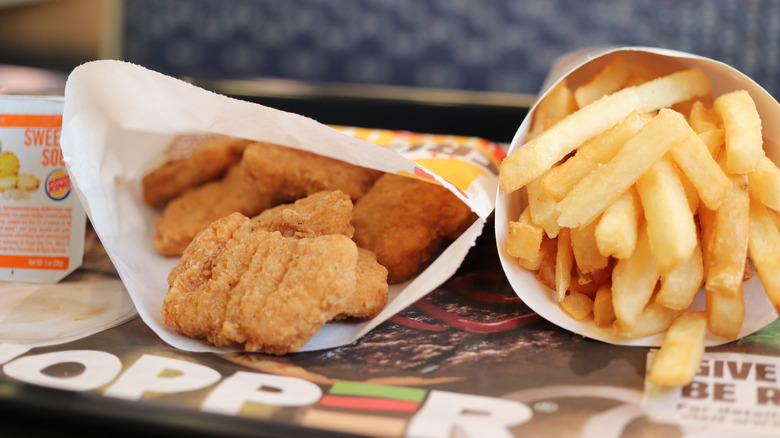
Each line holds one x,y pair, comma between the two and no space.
202,283
403,221
371,293
238,283
330,213
291,288
294,174
193,210
206,163
327,212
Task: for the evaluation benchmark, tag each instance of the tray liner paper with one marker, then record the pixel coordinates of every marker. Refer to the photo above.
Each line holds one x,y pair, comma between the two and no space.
120,117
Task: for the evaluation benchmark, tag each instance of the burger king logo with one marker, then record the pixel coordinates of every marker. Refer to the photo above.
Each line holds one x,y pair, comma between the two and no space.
58,185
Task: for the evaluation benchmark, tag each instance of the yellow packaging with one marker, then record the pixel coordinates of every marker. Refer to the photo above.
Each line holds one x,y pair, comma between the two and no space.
42,223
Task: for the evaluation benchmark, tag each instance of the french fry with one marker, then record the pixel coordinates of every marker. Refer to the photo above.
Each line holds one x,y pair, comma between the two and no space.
655,318
682,349
633,281
542,152
670,225
742,127
586,252
524,241
544,209
588,282
694,159
725,242
577,305
603,312
764,247
557,104
546,272
714,140
616,231
604,185
564,262
607,80
598,150
680,285
764,183
640,73
703,118
725,313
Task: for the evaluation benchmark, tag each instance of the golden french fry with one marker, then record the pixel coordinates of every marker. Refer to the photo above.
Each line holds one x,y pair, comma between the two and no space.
764,247
640,73
542,152
603,312
742,126
524,241
682,349
725,239
680,285
544,209
655,318
694,159
546,272
586,252
564,262
607,80
598,150
670,225
616,231
725,313
577,305
633,281
588,282
764,183
703,118
557,104
714,140
604,185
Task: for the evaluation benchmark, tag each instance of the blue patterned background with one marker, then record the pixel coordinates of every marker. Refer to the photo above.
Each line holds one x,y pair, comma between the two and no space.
488,45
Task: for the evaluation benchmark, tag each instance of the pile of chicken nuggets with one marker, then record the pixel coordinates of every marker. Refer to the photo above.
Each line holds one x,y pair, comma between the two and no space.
276,242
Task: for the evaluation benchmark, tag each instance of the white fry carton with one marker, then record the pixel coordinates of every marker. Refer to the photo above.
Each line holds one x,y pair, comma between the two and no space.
577,68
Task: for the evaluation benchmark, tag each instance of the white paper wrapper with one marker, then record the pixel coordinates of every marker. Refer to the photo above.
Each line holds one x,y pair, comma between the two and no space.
577,68
120,117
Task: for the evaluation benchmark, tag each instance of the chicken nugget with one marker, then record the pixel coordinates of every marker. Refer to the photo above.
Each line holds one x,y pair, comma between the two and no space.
327,212
291,288
193,210
237,283
206,163
371,293
404,220
294,174
202,283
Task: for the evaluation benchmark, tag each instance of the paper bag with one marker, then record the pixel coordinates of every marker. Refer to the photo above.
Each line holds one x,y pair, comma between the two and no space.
120,117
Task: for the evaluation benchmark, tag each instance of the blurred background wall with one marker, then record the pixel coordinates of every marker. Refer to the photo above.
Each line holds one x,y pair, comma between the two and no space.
482,45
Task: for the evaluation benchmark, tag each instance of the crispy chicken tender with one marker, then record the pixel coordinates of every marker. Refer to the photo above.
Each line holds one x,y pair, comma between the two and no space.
403,221
239,282
371,293
193,210
294,174
327,212
330,213
206,163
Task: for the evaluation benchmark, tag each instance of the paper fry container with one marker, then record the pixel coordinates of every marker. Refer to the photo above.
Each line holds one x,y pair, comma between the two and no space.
119,118
577,68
